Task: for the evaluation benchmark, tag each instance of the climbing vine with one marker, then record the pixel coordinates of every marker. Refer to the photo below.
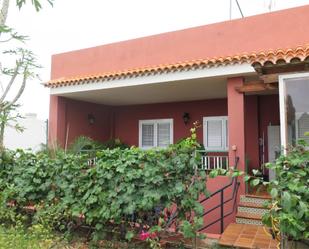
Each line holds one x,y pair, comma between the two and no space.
128,190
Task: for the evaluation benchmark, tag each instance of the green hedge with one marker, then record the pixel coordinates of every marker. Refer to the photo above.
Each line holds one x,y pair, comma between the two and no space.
122,183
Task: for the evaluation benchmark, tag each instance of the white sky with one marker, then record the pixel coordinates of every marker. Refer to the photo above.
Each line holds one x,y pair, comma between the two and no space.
76,24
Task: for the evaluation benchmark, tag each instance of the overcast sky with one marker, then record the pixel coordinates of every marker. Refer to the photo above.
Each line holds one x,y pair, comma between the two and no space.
76,24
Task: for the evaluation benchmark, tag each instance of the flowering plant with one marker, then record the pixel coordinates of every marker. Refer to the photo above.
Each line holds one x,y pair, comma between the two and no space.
144,235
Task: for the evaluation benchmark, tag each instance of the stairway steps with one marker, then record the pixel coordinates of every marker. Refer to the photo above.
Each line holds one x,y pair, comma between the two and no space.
254,199
251,209
249,221
248,231
265,196
246,215
254,205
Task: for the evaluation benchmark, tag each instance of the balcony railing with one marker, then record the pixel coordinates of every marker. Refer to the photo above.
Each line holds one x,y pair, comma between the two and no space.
215,162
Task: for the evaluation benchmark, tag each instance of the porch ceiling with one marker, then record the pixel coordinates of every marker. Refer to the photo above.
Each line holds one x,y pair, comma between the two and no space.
174,91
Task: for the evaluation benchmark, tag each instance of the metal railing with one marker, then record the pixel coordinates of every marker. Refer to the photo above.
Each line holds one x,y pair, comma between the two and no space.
235,185
215,162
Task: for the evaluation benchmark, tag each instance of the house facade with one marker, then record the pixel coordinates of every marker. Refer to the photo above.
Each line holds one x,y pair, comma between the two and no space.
245,81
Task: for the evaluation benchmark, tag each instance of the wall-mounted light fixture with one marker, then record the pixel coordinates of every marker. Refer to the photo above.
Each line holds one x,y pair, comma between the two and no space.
186,117
91,119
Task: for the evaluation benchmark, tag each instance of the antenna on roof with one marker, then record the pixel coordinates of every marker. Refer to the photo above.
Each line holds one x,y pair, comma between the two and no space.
230,9
242,15
271,5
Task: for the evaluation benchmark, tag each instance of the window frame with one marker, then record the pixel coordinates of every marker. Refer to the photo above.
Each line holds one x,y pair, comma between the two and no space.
283,80
155,122
225,132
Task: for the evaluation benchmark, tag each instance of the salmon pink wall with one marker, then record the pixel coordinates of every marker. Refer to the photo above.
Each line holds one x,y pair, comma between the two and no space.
126,118
122,122
236,113
212,186
78,124
70,116
56,126
69,119
214,40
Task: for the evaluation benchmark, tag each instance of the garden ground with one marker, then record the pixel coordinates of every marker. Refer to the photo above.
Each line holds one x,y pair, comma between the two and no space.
37,237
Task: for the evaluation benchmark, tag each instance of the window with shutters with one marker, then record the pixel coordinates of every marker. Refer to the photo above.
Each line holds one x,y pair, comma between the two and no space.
215,131
155,133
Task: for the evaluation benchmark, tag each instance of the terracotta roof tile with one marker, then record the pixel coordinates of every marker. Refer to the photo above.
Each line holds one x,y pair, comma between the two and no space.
278,56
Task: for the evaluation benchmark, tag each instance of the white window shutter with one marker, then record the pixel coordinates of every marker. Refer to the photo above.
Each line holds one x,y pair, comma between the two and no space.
147,135
214,134
303,126
163,134
155,133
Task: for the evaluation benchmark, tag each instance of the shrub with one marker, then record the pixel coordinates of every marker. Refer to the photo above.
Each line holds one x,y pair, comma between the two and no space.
122,188
86,144
290,193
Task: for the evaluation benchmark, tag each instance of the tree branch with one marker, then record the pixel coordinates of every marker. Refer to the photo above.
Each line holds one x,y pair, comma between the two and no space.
4,12
36,3
8,87
19,93
1,85
7,40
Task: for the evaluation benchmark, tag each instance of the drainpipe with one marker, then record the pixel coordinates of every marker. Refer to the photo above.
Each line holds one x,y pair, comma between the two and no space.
230,9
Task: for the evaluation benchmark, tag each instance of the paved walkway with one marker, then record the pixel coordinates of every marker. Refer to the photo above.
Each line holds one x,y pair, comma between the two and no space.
247,236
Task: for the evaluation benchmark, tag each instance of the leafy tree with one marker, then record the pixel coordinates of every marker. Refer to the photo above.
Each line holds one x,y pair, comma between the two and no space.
36,3
17,75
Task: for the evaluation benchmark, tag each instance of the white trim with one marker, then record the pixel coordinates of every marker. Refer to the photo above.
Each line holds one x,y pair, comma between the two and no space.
282,95
155,122
223,119
283,127
293,76
227,71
